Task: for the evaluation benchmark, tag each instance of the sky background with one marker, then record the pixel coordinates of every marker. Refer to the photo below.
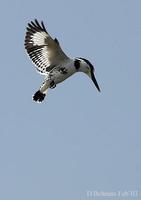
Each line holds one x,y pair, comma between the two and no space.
77,140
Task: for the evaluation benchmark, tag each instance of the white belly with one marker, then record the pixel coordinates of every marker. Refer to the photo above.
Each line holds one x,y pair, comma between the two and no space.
59,77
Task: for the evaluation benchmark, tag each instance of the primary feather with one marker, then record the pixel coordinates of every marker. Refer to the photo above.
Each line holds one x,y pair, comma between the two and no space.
44,51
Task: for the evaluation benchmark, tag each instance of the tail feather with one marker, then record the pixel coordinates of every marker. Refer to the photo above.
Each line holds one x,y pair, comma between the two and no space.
39,96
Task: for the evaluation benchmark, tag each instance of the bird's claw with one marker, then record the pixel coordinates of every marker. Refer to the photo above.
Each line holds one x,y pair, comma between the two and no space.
52,85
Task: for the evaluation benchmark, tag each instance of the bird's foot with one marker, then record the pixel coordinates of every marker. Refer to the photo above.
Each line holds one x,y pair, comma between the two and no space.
39,96
52,85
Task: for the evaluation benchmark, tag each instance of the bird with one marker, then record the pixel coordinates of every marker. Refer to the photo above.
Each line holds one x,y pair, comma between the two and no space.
51,61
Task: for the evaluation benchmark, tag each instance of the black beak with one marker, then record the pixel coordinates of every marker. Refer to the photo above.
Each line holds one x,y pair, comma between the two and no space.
95,81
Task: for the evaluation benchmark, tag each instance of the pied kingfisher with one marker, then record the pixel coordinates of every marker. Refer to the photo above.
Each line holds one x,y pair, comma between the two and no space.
51,61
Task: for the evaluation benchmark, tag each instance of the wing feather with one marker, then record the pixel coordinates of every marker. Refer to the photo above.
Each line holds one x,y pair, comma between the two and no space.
44,51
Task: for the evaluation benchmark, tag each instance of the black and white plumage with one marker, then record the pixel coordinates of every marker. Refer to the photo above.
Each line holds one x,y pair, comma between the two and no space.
51,61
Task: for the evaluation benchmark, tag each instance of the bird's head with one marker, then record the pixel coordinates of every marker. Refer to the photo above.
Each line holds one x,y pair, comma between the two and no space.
83,65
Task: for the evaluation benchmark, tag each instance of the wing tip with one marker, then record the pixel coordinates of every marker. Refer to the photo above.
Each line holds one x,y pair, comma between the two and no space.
36,26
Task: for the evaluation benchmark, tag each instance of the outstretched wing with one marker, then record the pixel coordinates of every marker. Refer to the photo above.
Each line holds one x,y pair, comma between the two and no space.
45,52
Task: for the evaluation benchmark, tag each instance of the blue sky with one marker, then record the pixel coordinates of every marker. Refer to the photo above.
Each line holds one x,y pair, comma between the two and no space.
77,140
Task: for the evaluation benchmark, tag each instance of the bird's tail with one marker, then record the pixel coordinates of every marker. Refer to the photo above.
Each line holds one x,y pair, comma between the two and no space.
41,93
39,96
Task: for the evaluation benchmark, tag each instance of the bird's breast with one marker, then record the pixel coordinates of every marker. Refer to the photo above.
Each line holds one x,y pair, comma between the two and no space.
62,73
